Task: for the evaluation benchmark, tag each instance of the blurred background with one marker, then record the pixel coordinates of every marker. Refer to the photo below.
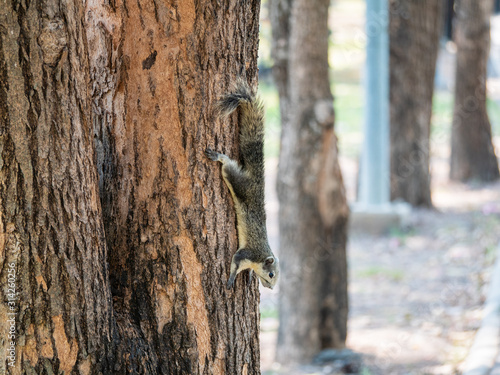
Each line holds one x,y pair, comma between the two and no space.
417,276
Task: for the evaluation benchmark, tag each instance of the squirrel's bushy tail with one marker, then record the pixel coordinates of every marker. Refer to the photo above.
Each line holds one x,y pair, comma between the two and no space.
251,124
240,93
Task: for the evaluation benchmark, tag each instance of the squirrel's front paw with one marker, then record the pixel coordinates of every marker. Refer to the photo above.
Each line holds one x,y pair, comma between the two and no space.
230,283
212,155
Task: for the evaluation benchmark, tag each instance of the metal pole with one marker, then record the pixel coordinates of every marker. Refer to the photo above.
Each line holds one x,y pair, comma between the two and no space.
375,173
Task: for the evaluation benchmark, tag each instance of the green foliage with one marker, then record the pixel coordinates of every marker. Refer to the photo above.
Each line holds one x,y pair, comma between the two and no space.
269,312
265,37
494,113
348,103
269,96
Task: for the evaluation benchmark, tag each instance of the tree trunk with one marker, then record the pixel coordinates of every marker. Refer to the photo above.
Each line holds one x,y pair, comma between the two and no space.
140,79
170,225
51,231
472,152
415,28
313,210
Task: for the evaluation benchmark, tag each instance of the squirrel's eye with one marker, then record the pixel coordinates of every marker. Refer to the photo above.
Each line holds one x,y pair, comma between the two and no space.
271,275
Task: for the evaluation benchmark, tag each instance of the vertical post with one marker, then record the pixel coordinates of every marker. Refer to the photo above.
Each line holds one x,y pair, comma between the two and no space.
375,173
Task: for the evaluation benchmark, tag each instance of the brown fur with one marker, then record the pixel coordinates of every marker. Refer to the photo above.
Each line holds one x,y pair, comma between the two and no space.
246,184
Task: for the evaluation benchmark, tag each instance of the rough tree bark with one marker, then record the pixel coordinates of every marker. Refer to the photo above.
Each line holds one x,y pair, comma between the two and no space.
313,209
168,216
415,27
472,152
50,217
110,105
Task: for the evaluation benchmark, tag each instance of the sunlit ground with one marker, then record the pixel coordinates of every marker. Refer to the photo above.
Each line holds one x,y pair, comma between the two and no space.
416,293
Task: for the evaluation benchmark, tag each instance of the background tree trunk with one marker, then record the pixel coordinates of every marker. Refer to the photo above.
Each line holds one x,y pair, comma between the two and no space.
313,209
415,27
142,78
472,152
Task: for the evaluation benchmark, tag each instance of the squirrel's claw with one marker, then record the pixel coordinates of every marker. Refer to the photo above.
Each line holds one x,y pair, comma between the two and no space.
212,155
230,282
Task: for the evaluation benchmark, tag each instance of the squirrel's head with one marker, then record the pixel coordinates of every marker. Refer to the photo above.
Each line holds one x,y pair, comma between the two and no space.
268,272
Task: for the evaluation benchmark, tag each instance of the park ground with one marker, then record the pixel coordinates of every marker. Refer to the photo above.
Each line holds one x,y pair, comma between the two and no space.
416,293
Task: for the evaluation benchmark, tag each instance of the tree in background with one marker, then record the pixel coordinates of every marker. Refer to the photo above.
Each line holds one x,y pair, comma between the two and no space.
313,210
414,30
472,152
118,228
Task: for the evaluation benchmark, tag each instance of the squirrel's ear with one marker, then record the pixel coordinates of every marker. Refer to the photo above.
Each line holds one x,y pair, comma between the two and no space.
269,260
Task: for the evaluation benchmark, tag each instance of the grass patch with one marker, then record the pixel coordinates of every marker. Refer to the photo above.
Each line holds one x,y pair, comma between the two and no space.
401,234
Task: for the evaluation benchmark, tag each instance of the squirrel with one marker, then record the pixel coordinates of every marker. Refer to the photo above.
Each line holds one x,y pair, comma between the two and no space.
246,184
